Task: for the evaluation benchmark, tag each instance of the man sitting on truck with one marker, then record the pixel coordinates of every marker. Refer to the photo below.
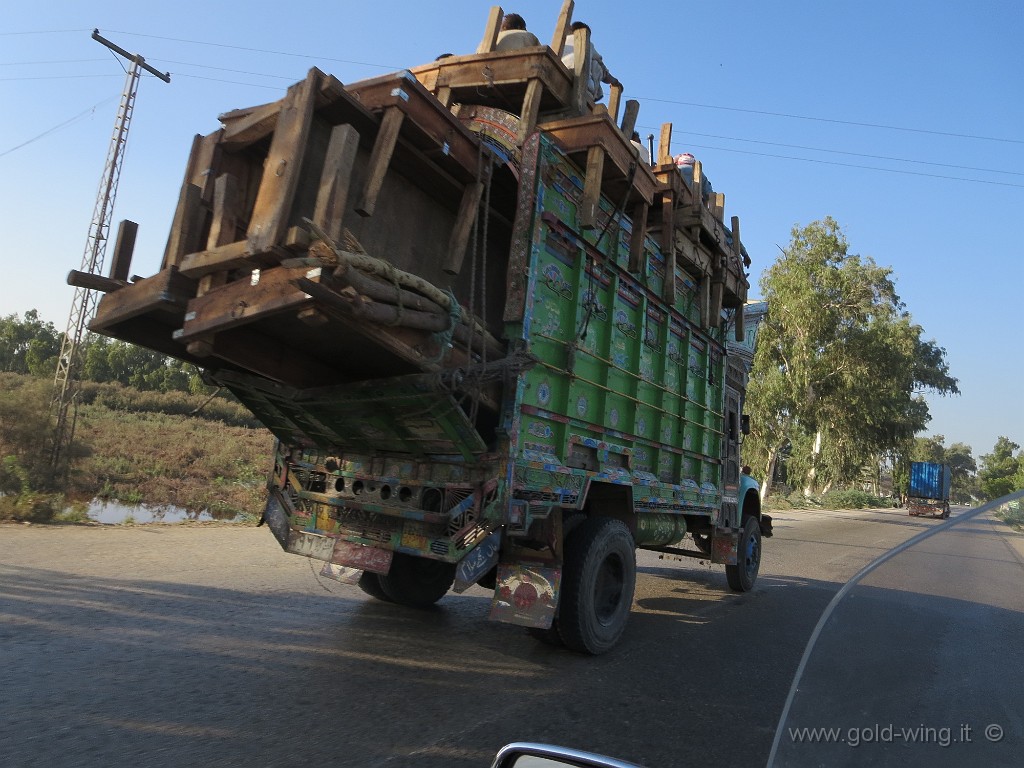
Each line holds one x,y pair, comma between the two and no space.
598,71
513,34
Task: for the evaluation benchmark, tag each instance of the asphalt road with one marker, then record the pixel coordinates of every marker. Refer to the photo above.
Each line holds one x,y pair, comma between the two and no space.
172,645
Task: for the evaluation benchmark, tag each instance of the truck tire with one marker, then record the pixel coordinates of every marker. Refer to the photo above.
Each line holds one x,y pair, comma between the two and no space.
417,581
369,582
551,635
945,511
741,577
598,581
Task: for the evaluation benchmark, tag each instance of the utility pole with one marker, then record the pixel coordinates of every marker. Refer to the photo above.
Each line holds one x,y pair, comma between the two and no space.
84,304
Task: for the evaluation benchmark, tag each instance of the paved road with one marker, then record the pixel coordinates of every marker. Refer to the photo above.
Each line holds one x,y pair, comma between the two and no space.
168,645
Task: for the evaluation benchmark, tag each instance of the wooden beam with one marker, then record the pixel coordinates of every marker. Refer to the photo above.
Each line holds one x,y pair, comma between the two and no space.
224,258
531,108
124,247
705,301
614,96
665,144
562,28
272,209
223,226
581,70
185,228
248,127
380,159
94,282
335,180
629,117
243,302
718,205
589,206
741,330
637,237
737,248
459,240
668,248
491,30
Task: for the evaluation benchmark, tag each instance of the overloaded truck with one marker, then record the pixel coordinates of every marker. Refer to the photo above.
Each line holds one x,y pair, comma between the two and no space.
928,491
495,344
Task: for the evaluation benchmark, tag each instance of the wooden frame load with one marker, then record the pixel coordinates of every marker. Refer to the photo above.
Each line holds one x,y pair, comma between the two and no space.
290,254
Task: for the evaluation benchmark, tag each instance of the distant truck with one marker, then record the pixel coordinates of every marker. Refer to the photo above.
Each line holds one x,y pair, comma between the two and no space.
493,343
928,493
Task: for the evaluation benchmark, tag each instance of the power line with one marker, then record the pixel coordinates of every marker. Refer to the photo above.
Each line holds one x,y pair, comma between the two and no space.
261,50
56,61
833,120
844,152
48,131
225,69
50,77
230,82
864,167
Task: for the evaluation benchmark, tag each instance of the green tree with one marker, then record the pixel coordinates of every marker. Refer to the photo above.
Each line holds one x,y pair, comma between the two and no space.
1000,471
840,367
962,467
28,345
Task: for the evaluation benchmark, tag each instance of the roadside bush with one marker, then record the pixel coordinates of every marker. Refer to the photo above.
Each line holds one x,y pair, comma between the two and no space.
24,434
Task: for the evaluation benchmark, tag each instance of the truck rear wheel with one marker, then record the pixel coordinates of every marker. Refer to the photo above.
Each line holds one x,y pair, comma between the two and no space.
417,581
742,576
598,581
369,582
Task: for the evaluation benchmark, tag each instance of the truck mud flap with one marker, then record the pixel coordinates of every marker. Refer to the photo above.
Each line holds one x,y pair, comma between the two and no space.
276,518
725,544
526,595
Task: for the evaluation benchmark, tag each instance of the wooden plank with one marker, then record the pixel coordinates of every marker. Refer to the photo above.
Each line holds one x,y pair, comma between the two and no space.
94,282
242,302
223,226
491,31
637,237
380,159
335,180
705,301
226,200
166,291
581,70
444,95
718,205
185,228
614,96
577,135
665,144
124,247
428,125
459,240
530,110
257,123
500,76
562,28
587,217
715,308
736,246
224,258
629,117
740,324
668,248
271,211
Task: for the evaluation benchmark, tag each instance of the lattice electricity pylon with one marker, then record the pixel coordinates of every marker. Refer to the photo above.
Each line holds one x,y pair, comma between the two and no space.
84,304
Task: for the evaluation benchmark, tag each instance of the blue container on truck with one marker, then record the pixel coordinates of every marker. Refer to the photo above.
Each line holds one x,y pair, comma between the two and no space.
929,489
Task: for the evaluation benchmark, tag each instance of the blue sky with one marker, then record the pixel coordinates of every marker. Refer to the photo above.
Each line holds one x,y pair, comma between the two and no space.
903,121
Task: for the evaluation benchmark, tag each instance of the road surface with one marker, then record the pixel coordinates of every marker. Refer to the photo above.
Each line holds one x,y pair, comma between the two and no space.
174,645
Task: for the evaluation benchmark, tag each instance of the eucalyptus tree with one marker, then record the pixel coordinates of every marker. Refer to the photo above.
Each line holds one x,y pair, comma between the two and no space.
840,366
